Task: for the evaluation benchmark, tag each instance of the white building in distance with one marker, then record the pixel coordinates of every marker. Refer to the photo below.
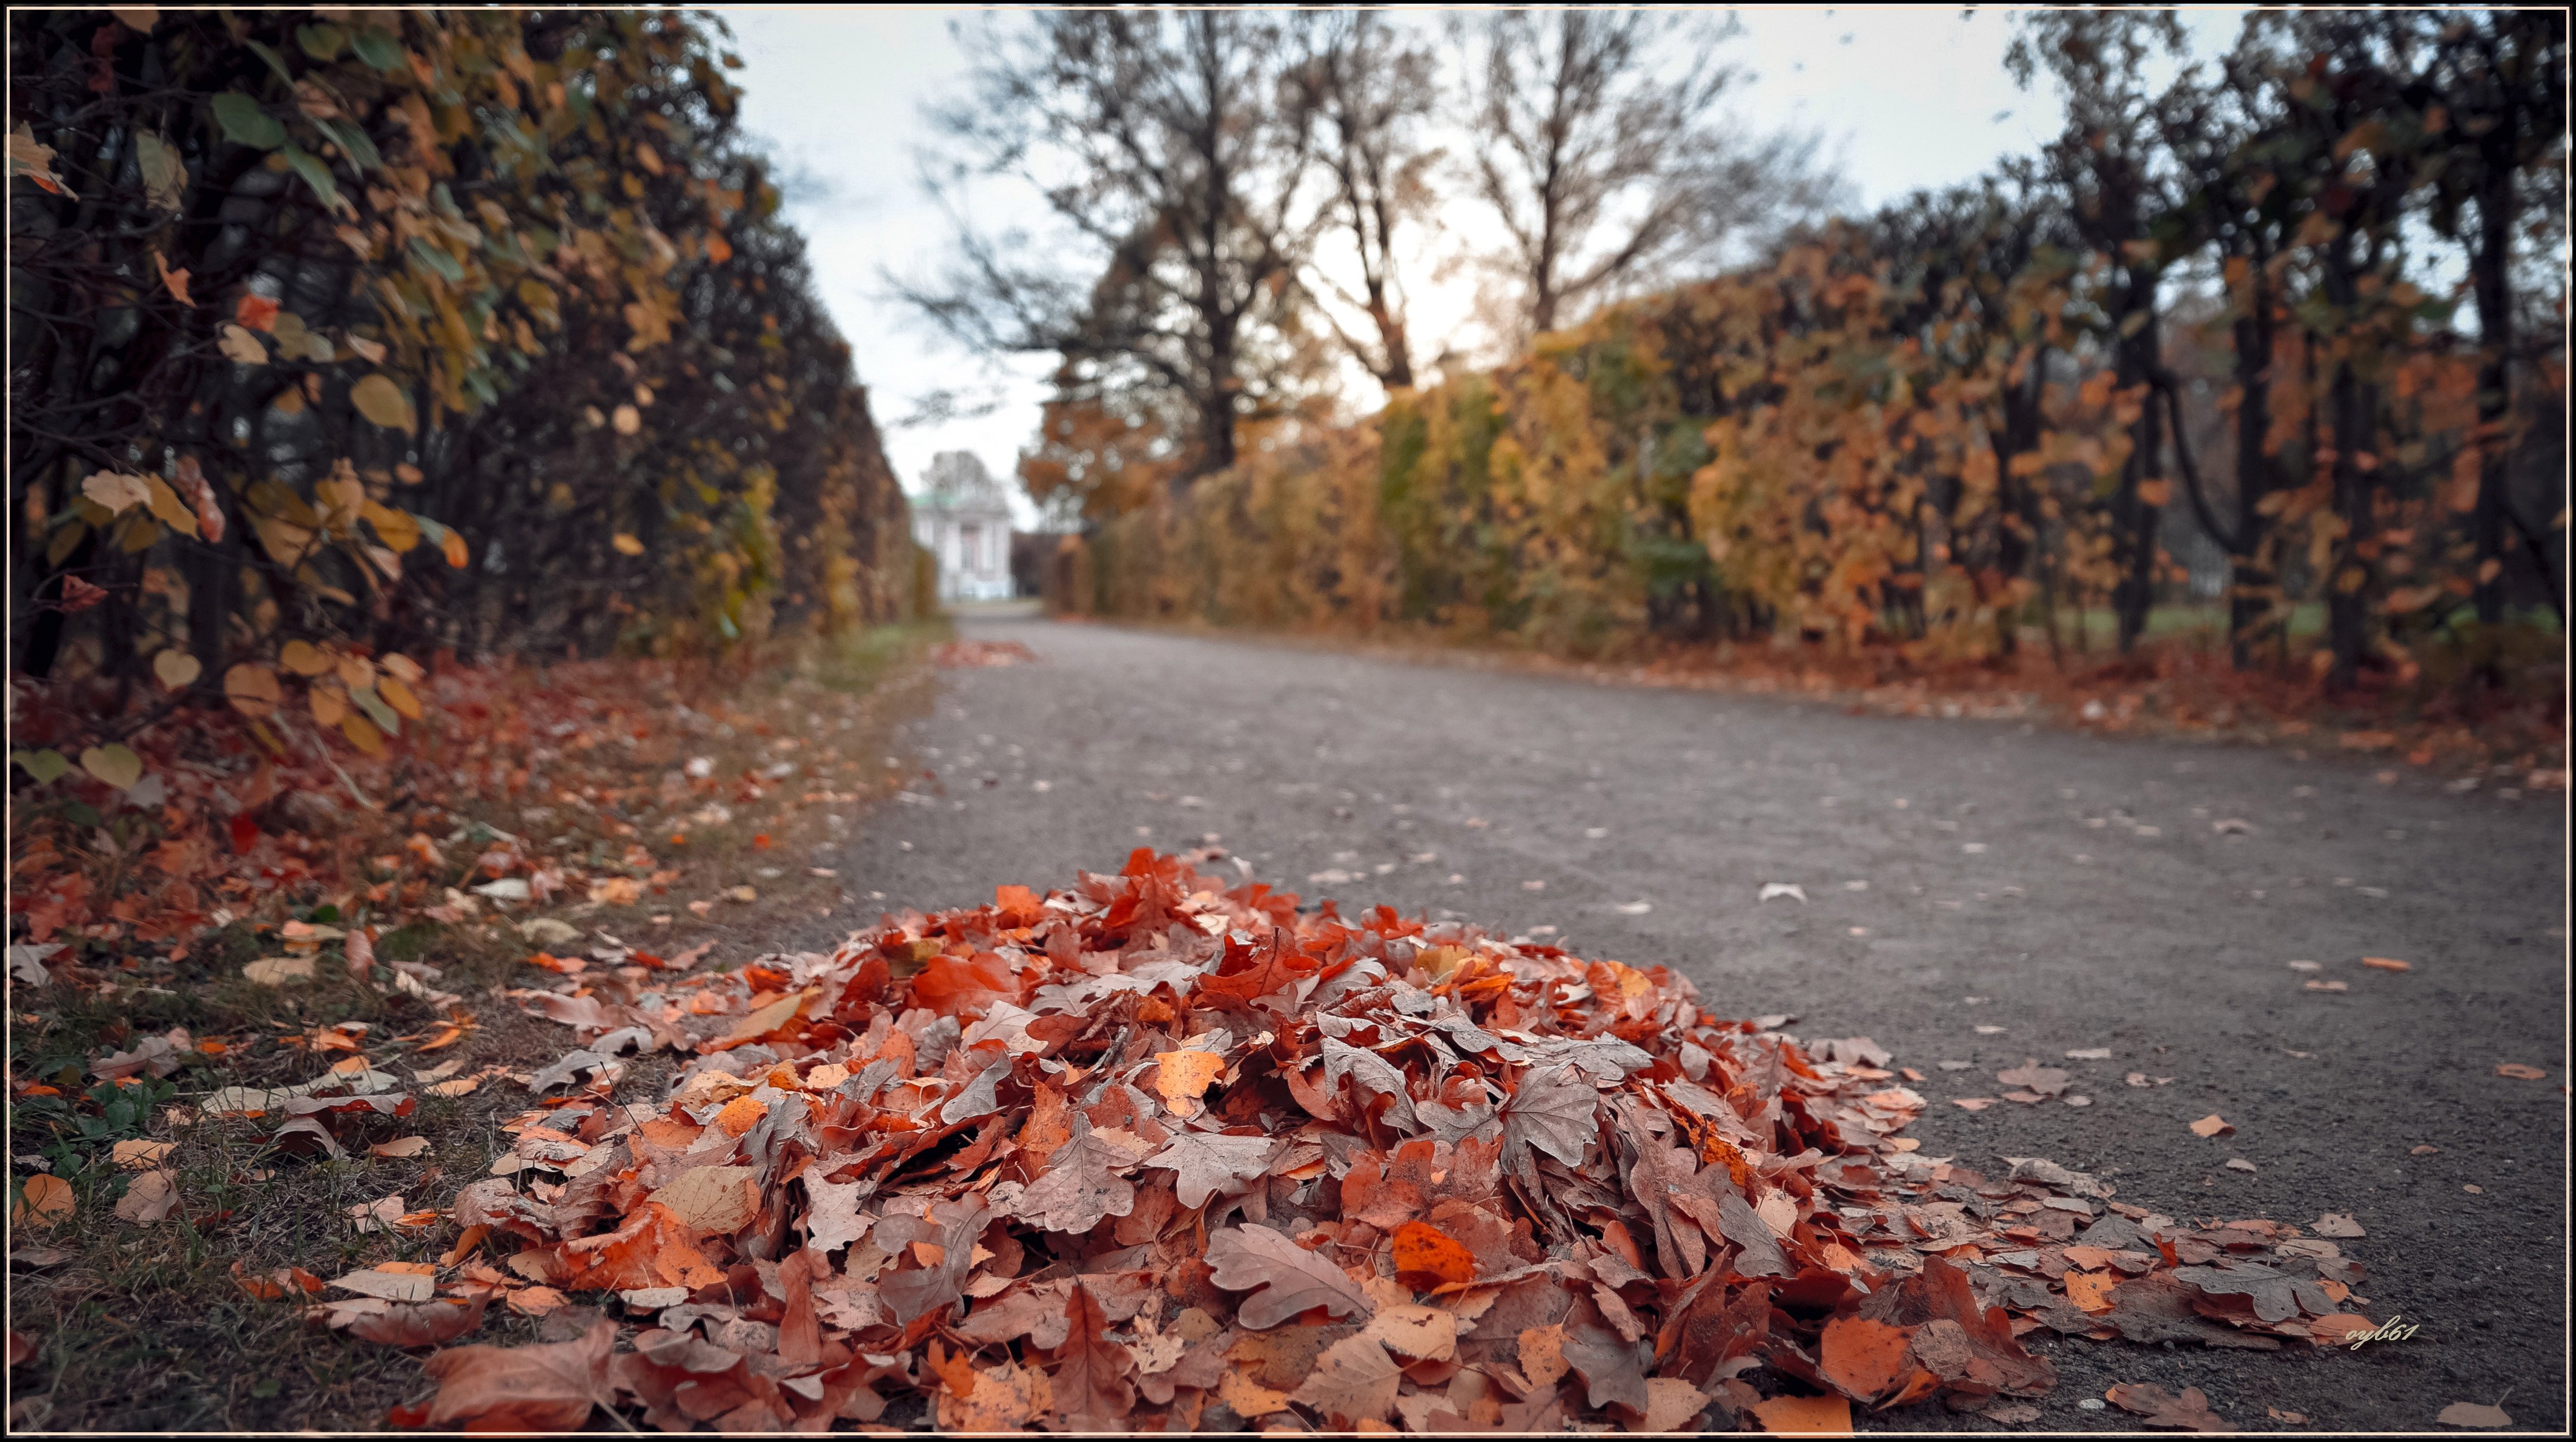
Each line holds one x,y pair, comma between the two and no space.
964,520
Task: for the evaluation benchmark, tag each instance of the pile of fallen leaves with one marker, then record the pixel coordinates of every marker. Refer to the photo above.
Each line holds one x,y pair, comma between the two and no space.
603,769
967,655
1161,1152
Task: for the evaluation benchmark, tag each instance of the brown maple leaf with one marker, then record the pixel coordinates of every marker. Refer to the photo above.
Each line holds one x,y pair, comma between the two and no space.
544,1387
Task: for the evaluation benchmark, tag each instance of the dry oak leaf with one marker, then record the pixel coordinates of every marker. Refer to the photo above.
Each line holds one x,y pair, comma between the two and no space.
2212,1125
2519,1071
2473,1414
1353,1381
2091,1290
1080,1187
2386,963
1205,1163
401,1324
393,1281
2338,1224
2188,1412
1293,1279
547,1387
1863,1358
1426,1334
1826,1416
150,1198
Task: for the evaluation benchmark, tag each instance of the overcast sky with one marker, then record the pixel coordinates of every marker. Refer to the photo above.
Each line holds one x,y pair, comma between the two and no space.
1908,98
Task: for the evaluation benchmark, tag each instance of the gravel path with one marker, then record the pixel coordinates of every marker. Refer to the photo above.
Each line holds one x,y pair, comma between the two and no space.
1974,892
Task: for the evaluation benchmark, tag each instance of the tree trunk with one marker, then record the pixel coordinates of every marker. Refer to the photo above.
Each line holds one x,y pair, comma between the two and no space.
2250,575
2135,592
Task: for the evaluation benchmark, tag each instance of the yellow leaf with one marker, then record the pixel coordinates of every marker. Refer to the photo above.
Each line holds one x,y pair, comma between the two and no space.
166,504
626,545
177,669
362,733
117,765
398,664
1182,1076
381,401
304,658
252,688
329,703
357,672
626,420
400,530
367,350
398,696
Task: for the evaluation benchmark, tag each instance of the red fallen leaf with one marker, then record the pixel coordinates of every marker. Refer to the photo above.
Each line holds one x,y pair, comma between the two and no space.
255,311
407,1418
79,595
545,1387
950,984
1090,1385
21,1347
406,1324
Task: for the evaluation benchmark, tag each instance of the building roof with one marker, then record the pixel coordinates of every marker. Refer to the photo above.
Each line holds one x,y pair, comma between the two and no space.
959,485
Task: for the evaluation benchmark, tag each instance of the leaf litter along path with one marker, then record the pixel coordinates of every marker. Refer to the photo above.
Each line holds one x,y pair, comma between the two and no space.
2121,917
1161,1152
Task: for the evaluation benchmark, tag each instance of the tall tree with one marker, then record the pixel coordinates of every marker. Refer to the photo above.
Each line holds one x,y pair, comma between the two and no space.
2118,188
1606,159
2500,77
2221,135
1160,144
1369,89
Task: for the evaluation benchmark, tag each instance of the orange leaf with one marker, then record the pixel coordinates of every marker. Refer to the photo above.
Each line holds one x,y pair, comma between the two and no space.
2091,1290
1805,1416
1862,1357
45,1200
1423,1251
2385,963
1183,1076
